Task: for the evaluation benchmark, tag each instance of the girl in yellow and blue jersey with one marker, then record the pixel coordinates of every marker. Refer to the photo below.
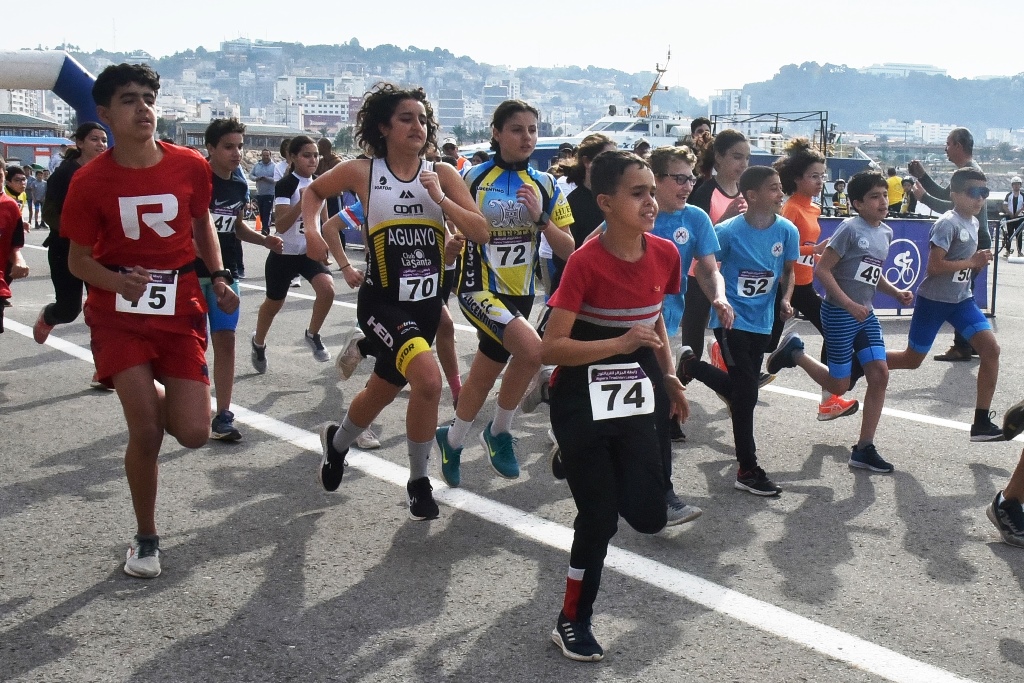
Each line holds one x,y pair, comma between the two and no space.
496,289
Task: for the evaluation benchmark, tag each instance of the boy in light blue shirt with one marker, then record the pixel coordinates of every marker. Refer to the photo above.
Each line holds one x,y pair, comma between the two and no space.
758,250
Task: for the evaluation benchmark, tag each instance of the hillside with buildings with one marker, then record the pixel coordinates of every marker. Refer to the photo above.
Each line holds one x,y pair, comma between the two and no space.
287,87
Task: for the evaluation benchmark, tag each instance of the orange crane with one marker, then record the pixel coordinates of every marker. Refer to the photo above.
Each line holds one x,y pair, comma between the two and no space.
645,101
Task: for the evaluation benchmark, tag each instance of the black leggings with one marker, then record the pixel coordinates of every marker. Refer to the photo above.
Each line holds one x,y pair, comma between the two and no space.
743,352
614,468
696,313
806,300
67,288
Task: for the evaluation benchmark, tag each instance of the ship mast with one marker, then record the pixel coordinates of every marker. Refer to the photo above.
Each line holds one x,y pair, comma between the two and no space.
645,101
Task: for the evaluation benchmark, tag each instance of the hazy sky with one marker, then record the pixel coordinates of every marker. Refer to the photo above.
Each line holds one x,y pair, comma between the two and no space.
709,52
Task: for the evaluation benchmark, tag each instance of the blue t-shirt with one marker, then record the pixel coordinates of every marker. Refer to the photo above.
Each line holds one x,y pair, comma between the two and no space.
752,262
691,231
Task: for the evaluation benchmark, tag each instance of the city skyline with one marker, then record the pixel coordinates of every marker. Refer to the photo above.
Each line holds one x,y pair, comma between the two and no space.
710,58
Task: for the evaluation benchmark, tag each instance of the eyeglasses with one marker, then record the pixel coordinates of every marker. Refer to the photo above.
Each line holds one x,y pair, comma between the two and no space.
680,178
977,192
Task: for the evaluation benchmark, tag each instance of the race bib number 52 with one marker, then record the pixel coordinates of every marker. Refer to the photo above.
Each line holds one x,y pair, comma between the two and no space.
158,299
619,390
752,283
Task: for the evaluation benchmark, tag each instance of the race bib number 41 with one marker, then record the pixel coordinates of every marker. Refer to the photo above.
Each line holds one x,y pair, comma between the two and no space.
159,297
620,390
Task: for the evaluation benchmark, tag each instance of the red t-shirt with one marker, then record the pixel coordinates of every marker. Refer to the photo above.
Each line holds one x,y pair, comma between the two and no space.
606,292
141,217
12,236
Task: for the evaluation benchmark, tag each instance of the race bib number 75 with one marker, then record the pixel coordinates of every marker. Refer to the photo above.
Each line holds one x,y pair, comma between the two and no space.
158,299
619,390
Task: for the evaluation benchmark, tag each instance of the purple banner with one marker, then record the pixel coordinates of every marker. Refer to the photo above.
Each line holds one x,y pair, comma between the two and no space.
905,266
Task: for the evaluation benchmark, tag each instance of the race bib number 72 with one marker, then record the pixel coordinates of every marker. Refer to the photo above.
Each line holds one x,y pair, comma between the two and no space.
619,390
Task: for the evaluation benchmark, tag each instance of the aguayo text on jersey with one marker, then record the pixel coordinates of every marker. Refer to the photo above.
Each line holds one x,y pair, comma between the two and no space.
405,234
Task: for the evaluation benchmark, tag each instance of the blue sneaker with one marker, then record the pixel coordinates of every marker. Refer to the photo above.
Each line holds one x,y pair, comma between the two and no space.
223,427
782,357
867,458
451,458
501,452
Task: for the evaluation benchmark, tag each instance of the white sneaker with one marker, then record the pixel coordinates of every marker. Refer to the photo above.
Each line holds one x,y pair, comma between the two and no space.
538,391
143,557
296,282
368,440
350,357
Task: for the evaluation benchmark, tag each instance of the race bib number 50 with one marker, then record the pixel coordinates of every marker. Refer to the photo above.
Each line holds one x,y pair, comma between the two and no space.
619,390
962,275
158,299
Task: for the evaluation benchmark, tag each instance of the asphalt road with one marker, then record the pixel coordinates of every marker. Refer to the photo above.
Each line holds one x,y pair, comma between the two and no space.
845,577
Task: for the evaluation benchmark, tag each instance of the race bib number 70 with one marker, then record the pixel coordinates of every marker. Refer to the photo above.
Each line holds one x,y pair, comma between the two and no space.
619,390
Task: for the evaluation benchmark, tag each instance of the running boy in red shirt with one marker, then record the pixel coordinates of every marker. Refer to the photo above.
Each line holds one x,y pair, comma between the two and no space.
131,216
615,382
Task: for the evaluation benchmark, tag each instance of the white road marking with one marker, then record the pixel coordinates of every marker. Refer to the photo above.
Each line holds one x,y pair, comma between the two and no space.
824,639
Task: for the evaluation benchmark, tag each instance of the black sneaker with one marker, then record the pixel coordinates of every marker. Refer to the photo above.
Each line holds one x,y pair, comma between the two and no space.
764,379
987,430
1008,518
782,357
258,355
867,458
557,466
686,356
757,482
576,640
421,500
332,465
1013,421
675,431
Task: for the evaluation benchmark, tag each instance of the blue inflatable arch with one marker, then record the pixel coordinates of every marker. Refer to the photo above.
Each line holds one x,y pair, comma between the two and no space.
53,70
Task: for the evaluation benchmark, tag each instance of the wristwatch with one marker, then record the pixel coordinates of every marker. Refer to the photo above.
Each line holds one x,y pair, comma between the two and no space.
226,274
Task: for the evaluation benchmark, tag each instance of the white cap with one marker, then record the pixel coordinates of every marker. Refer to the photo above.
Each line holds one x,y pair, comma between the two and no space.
1015,179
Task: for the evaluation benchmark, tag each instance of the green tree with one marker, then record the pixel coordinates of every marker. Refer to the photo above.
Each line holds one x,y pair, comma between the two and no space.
345,138
1004,150
460,133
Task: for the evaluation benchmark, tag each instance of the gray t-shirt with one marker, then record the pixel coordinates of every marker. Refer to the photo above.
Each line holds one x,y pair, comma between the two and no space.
958,235
862,251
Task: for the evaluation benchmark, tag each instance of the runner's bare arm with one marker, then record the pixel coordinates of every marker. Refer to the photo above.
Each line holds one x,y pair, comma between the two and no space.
558,348
713,285
83,266
353,176
459,206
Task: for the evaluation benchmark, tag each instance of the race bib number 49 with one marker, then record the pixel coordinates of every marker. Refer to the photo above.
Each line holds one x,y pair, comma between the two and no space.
869,271
158,299
752,283
619,390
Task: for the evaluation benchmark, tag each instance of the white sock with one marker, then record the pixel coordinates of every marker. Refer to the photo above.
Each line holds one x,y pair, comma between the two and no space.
825,395
502,420
458,431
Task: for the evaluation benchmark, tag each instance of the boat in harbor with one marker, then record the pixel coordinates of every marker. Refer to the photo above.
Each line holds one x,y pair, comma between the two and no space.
765,132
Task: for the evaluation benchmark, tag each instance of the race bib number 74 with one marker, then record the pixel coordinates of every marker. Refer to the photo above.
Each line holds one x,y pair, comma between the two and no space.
619,390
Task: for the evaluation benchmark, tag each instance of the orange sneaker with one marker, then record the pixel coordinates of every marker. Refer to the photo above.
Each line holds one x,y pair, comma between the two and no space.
715,356
836,406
